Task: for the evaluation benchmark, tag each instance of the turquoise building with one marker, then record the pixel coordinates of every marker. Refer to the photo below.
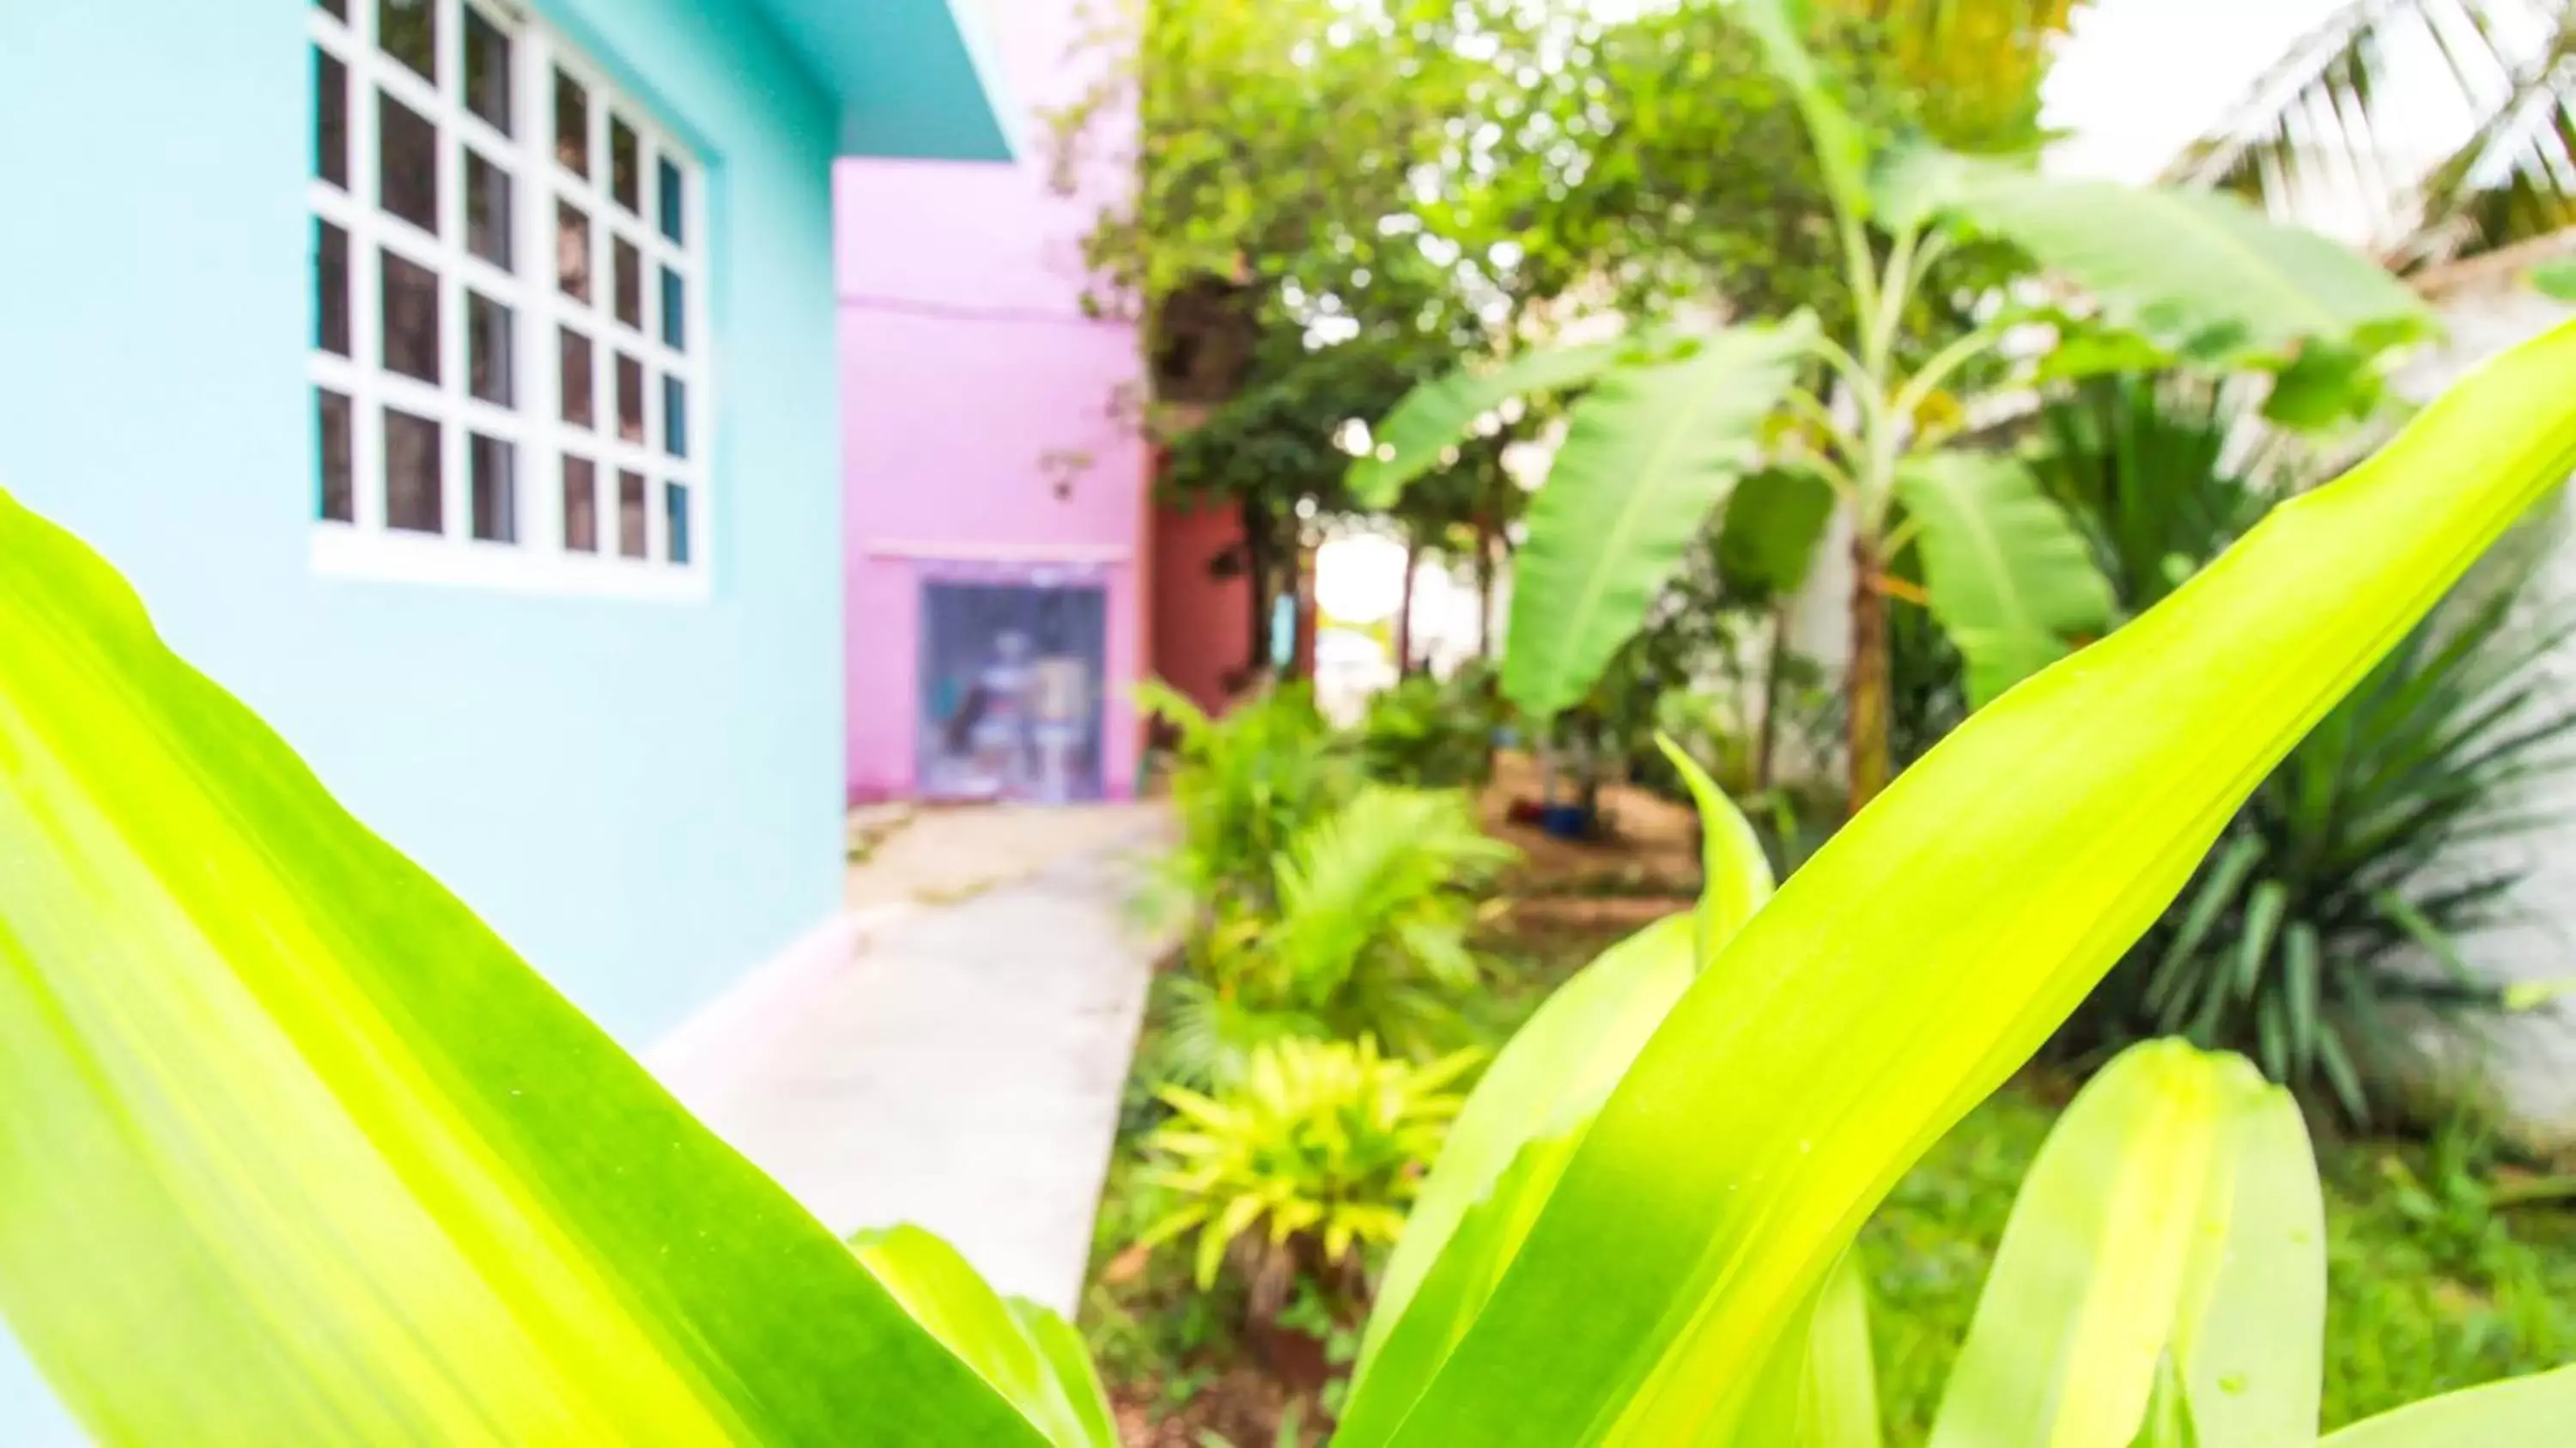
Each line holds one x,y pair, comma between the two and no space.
457,382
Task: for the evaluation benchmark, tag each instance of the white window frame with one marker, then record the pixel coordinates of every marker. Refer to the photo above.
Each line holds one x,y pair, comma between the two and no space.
538,561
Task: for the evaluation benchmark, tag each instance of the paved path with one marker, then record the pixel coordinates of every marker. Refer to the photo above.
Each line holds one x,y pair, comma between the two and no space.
953,1061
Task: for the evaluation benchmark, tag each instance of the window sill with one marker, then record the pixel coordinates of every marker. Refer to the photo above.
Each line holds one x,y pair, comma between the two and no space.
347,553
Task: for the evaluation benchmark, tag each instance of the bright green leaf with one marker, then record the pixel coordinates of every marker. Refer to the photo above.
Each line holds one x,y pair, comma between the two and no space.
300,1152
1890,984
2528,1412
1550,1078
993,1336
1737,873
1438,415
2195,271
2555,280
2172,1217
2010,579
1647,455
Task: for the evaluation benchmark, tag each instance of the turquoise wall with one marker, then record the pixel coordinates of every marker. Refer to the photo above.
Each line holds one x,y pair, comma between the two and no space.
645,798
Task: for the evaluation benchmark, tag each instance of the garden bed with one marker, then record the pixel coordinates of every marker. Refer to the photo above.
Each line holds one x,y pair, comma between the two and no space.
2432,1288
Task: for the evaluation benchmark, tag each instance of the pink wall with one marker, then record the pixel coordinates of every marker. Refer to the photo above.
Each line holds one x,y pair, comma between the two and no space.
972,379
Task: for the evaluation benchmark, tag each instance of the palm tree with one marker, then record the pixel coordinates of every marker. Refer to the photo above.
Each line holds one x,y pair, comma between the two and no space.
2434,129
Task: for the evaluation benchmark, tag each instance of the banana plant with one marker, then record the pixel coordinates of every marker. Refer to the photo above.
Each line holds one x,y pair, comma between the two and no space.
298,1151
1665,430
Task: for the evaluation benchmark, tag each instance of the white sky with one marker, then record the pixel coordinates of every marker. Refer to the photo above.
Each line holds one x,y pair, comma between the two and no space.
2139,79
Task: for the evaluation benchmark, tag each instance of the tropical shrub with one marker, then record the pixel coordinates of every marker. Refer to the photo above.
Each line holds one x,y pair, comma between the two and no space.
2343,886
348,1171
1670,425
1433,733
1369,937
1303,1166
1244,785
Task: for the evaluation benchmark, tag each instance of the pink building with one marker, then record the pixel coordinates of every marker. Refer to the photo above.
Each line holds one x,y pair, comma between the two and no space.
996,517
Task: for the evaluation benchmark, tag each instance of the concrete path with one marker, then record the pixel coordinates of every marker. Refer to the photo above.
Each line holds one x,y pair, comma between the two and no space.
954,1059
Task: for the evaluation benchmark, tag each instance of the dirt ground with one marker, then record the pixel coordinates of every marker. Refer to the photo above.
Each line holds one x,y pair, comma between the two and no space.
1648,857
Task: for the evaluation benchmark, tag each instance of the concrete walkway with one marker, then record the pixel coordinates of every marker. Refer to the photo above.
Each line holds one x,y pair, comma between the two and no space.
952,1057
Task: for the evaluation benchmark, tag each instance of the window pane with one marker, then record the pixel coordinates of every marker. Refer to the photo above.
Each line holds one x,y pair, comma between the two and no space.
572,125
490,353
487,210
675,507
407,155
330,118
630,399
675,417
675,312
487,70
630,514
412,468
576,378
628,275
331,288
581,505
339,471
408,31
669,185
410,318
625,167
493,471
572,252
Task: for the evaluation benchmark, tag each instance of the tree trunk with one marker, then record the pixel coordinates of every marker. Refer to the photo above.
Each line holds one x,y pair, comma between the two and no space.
1866,694
1256,574
1767,742
1404,612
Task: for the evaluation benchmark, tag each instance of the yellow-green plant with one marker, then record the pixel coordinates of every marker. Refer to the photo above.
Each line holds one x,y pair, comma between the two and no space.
297,1151
1307,1162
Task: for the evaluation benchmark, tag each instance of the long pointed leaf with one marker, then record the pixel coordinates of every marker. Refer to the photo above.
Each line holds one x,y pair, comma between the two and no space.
2010,579
1842,150
299,1152
1437,415
1935,942
1649,453
1737,875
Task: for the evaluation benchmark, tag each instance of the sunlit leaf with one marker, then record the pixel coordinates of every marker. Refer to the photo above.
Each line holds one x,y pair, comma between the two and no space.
1018,1348
2528,1412
1648,454
2172,1218
2010,579
1737,873
300,1152
1890,985
1439,414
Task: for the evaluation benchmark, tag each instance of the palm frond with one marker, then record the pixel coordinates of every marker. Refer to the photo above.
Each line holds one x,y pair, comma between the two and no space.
2426,130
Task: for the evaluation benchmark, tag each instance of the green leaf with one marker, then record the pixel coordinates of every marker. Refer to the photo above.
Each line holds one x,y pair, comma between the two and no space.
1842,150
1647,455
2172,1218
2555,280
1438,415
1892,983
2011,580
1819,1387
1737,873
1021,1350
2527,1412
2197,272
1774,522
300,1152
1548,1081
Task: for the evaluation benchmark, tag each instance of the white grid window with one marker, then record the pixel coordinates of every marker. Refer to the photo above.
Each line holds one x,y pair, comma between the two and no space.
509,365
